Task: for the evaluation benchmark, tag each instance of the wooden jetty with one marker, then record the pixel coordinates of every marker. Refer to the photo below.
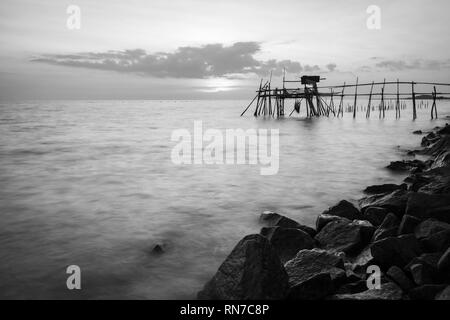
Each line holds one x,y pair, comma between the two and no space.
329,100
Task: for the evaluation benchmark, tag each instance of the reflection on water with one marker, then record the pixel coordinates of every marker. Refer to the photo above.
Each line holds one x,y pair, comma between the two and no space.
91,183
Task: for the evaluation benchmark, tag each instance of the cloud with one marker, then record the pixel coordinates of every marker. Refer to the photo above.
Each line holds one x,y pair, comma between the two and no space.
211,60
331,67
399,65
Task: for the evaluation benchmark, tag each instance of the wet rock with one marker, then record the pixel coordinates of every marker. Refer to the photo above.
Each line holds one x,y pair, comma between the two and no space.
287,242
408,224
421,274
429,139
323,219
433,234
444,263
437,242
442,160
344,236
375,215
313,274
388,291
344,209
388,228
252,271
394,202
395,251
422,205
437,145
418,132
444,294
362,261
353,287
385,188
426,292
400,278
273,219
442,214
406,165
428,259
445,130
158,249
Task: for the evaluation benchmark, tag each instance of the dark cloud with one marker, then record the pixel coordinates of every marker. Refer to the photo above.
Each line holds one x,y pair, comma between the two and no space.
212,60
399,65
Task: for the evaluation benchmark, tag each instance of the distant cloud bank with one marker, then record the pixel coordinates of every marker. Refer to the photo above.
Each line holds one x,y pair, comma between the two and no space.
211,60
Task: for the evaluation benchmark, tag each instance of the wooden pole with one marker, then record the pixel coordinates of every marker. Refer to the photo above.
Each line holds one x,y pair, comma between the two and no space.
433,107
414,102
370,102
356,95
341,103
397,103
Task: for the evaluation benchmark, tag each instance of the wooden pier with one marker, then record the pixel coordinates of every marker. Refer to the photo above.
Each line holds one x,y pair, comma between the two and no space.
329,100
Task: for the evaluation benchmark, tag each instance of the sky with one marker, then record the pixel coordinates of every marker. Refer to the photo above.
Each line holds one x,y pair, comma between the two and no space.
208,49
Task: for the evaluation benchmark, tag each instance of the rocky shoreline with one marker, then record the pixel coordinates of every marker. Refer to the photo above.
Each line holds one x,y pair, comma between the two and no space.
394,245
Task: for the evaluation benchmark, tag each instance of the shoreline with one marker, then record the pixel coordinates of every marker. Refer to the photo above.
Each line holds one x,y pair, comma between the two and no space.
394,245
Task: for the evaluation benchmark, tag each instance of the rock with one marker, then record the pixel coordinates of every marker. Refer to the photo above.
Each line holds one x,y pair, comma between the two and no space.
388,291
442,160
313,274
287,242
394,202
428,259
429,139
388,228
408,224
375,215
348,237
400,278
434,234
437,145
445,130
158,249
273,219
441,214
444,294
385,188
422,205
252,271
406,165
352,288
433,181
426,292
395,251
421,274
362,261
323,219
444,263
344,209
418,132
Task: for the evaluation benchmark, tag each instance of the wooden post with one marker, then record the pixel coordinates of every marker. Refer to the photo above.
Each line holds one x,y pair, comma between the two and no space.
356,95
341,103
414,102
370,101
433,107
397,103
383,106
259,98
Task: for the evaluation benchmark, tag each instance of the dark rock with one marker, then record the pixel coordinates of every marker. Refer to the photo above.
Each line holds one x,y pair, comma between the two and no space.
442,160
375,215
429,139
395,251
429,259
418,132
400,278
252,271
437,145
433,181
348,237
437,242
434,234
444,263
422,205
421,274
287,242
362,261
406,165
158,249
272,219
388,228
344,209
388,291
445,130
313,274
323,219
442,214
408,224
385,188
353,287
426,292
444,294
395,202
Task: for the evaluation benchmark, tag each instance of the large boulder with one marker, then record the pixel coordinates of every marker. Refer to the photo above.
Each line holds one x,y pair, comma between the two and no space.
313,274
421,274
385,188
375,215
272,219
433,181
388,291
395,251
287,241
434,235
426,292
444,294
348,237
388,228
445,130
442,160
444,263
406,165
252,271
423,206
323,219
362,261
395,202
408,224
400,278
344,209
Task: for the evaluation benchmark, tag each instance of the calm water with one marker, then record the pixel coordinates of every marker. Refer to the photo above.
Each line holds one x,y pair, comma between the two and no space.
91,183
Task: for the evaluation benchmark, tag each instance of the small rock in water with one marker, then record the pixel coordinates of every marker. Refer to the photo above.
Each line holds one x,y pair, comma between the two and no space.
385,188
418,132
158,249
344,209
